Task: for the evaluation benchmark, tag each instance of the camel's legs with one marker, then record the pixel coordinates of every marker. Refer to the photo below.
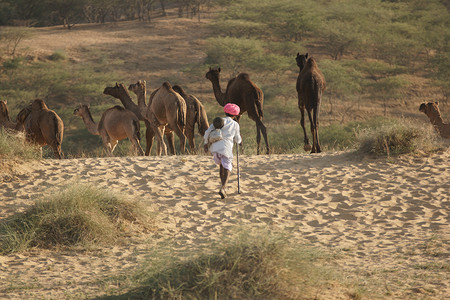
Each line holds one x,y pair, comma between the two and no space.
149,137
159,135
191,141
182,138
315,148
137,146
261,128
56,150
316,131
107,144
171,142
307,146
113,146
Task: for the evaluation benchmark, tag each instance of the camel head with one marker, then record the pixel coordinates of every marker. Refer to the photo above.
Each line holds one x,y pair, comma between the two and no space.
213,73
81,110
430,109
4,114
138,87
112,90
301,60
23,114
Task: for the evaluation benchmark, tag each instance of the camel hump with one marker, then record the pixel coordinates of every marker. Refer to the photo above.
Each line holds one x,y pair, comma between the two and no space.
167,85
118,107
39,104
179,90
23,114
243,76
311,61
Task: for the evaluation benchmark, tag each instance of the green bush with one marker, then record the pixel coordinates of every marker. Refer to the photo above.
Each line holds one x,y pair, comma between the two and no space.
77,215
58,55
398,137
13,145
247,265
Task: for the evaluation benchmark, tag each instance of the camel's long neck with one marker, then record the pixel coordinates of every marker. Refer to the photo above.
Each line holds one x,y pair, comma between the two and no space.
128,103
141,98
6,122
220,96
90,124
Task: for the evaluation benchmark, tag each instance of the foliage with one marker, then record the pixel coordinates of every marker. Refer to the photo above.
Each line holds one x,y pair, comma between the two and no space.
58,55
398,137
250,264
13,145
10,38
77,215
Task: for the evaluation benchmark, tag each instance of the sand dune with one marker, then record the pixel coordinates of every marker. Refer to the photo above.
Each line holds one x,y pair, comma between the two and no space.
380,217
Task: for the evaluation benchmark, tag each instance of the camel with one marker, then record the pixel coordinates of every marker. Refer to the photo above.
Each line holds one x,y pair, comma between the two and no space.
195,114
120,92
243,92
140,90
310,85
167,107
41,125
116,124
431,109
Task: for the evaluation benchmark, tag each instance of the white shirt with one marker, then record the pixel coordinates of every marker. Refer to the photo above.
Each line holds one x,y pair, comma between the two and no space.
230,133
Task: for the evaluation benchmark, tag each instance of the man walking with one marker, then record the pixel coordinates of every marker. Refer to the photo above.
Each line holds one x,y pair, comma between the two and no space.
222,150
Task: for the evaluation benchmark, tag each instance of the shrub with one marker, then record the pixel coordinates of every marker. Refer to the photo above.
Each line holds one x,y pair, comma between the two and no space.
77,215
398,137
13,145
247,265
58,55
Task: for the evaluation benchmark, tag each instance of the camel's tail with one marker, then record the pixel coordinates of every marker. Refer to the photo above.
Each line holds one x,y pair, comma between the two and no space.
58,127
181,114
259,98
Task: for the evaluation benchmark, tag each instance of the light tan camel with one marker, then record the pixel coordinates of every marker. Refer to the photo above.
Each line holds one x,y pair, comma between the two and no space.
167,107
310,86
140,90
431,109
243,92
116,124
195,114
41,125
120,92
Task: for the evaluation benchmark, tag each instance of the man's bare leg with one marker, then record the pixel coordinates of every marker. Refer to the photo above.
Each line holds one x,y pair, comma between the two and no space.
224,174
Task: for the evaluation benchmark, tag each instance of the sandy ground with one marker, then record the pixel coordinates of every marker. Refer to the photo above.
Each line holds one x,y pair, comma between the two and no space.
387,221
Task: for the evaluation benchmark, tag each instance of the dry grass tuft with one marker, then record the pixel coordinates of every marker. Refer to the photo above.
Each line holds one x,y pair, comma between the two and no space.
78,215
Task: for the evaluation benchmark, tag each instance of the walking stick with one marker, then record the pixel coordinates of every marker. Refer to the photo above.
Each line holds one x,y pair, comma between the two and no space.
238,172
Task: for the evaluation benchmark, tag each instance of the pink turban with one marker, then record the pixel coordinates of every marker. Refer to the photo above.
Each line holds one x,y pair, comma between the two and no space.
232,109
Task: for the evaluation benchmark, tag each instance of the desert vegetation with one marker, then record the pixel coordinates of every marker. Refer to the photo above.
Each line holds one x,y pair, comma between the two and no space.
78,215
382,58
248,263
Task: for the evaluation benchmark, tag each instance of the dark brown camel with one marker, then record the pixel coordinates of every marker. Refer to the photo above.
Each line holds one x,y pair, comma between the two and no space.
195,114
243,92
310,85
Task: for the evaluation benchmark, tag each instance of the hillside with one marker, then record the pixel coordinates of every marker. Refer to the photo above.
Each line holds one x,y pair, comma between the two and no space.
92,56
